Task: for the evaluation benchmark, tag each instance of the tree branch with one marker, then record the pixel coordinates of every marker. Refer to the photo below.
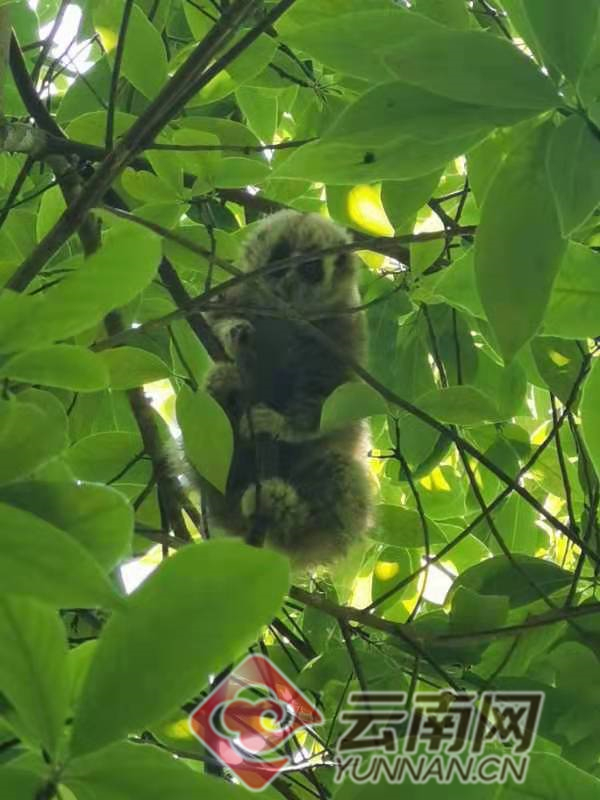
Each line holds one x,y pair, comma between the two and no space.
404,631
116,71
66,175
170,492
197,322
189,79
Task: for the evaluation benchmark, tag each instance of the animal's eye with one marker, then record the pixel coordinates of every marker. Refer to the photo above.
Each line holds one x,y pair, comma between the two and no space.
281,250
312,271
341,262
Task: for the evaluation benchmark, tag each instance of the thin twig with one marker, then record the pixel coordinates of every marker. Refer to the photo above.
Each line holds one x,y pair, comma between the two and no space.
49,41
67,177
447,549
116,72
189,78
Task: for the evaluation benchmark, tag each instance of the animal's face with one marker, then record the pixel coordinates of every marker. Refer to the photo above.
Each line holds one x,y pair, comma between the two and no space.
316,280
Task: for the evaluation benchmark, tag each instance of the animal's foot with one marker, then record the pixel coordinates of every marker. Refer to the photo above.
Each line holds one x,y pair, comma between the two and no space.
276,503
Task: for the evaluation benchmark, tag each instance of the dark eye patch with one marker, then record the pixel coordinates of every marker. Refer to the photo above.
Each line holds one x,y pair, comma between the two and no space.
341,263
281,250
312,271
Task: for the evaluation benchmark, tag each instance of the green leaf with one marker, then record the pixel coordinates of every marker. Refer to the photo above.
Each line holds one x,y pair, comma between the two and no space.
518,247
64,366
52,206
176,606
19,784
29,438
237,171
260,110
131,770
457,285
198,22
187,352
499,576
393,565
33,668
201,163
473,67
107,456
559,362
225,130
207,435
10,255
442,493
380,115
82,95
507,385
573,157
84,297
402,199
590,418
98,517
142,41
147,187
470,66
250,63
130,366
453,13
344,163
516,519
574,307
351,402
403,527
564,34
551,778
460,405
472,611
91,127
344,41
41,561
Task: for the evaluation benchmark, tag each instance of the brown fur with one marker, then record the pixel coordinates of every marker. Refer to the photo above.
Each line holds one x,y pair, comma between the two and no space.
314,495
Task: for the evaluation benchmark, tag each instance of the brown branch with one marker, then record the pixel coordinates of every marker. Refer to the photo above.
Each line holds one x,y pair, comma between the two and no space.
197,322
344,614
189,79
447,549
404,631
488,519
48,41
301,645
116,71
346,631
235,148
170,492
67,177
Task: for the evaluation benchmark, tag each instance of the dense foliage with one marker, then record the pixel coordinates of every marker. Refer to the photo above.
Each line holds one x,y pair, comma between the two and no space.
460,141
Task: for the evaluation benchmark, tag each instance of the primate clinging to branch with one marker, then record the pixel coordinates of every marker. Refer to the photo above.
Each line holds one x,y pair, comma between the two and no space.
298,489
